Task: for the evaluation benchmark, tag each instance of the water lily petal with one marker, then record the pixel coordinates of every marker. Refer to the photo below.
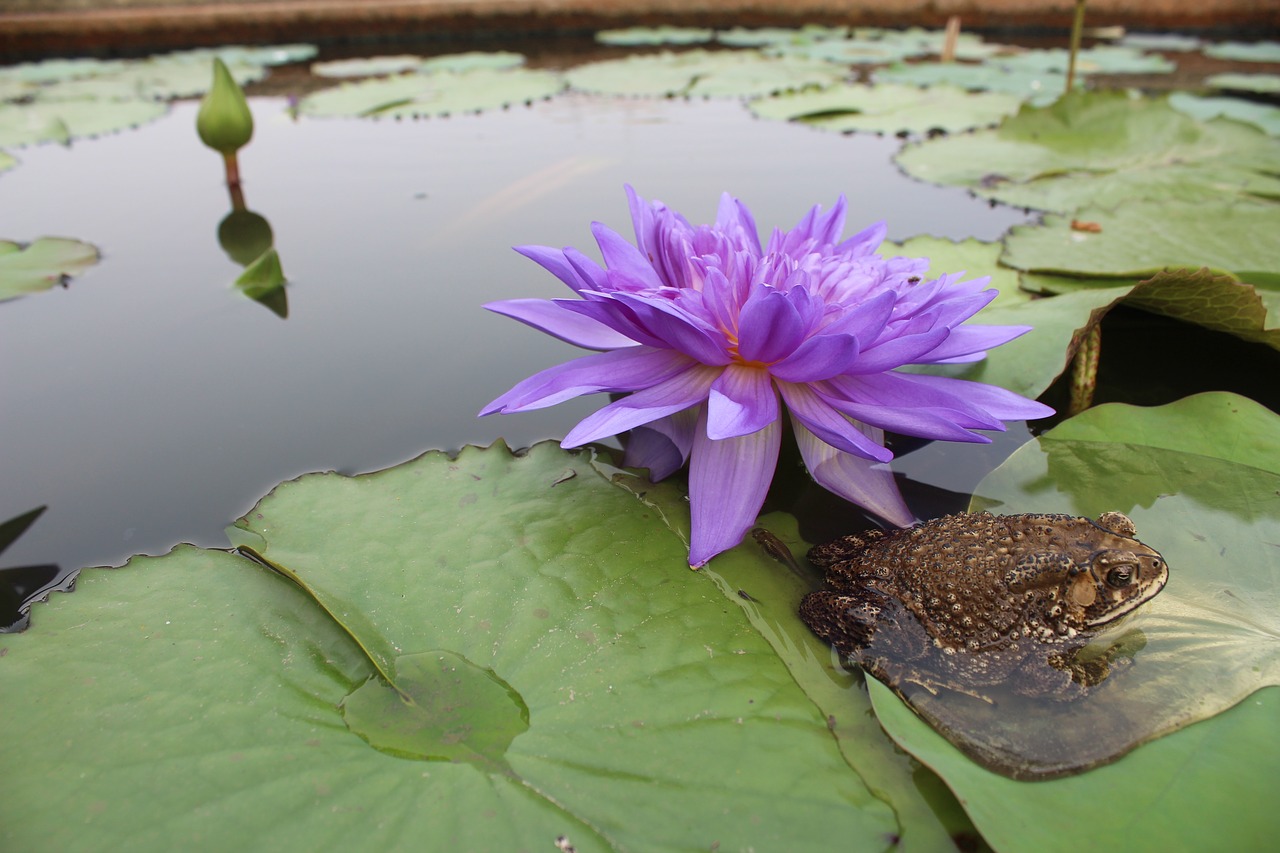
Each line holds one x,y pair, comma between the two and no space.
618,370
868,484
662,445
555,262
993,400
920,421
624,261
895,352
742,400
866,241
735,220
769,327
568,326
648,404
664,320
971,340
829,425
728,481
820,357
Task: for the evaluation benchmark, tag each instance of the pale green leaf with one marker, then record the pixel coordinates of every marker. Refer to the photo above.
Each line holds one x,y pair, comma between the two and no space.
47,262
889,109
701,73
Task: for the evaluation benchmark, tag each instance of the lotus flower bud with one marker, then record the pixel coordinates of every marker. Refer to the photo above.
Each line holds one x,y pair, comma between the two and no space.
224,121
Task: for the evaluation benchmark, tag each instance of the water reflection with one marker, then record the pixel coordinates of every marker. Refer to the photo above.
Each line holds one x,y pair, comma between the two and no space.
247,239
22,585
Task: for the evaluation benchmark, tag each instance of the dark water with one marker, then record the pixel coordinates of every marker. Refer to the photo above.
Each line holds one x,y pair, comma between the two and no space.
150,403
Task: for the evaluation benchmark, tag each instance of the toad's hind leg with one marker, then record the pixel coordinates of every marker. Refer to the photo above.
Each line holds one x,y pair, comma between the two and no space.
843,621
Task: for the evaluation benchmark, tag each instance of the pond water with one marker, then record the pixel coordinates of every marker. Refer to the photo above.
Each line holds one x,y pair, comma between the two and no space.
150,403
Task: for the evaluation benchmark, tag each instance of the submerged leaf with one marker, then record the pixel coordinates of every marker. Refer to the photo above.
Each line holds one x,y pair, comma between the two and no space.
645,693
41,265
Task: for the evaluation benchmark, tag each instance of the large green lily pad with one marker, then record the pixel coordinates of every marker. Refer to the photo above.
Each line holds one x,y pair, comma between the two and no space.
1265,84
1141,238
638,36
887,108
1033,87
1103,149
1201,479
701,73
1264,116
436,93
200,695
47,262
1240,51
63,121
1104,59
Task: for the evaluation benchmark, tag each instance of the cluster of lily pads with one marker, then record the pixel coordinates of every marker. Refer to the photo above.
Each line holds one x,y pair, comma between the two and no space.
514,634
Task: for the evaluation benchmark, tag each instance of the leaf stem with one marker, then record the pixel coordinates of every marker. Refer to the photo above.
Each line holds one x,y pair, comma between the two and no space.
1077,27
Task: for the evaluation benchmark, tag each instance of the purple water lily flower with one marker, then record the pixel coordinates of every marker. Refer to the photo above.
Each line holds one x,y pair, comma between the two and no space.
708,335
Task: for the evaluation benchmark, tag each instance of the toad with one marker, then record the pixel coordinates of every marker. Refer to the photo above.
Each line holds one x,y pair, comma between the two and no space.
969,602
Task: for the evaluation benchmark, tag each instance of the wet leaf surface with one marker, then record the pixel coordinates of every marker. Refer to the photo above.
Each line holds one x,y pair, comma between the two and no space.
207,687
889,109
701,73
437,93
1199,478
41,265
1101,150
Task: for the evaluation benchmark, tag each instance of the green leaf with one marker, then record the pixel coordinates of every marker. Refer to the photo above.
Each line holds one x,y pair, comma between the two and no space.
471,60
1102,149
208,688
1104,59
1030,363
1219,302
62,121
1239,51
1263,116
888,108
54,70
366,66
7,161
1035,87
701,73
1165,42
1200,479
1266,84
1141,238
433,94
41,265
639,36
744,37
233,54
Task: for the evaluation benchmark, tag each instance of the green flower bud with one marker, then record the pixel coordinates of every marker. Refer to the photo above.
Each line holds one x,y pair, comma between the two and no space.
224,121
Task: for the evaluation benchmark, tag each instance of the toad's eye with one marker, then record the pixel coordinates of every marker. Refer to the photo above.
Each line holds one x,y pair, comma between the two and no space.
1120,576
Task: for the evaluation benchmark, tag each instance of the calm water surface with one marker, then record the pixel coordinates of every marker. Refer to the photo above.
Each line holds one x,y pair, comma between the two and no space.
150,403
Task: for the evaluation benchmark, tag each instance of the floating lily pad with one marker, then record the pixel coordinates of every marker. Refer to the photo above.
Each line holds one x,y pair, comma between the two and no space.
369,66
1264,116
888,108
1239,51
641,36
235,54
1211,506
1034,87
1266,84
1102,149
1104,59
62,121
471,60
600,679
438,93
700,73
55,70
1223,303
745,37
7,161
1166,42
1141,238
848,51
41,265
